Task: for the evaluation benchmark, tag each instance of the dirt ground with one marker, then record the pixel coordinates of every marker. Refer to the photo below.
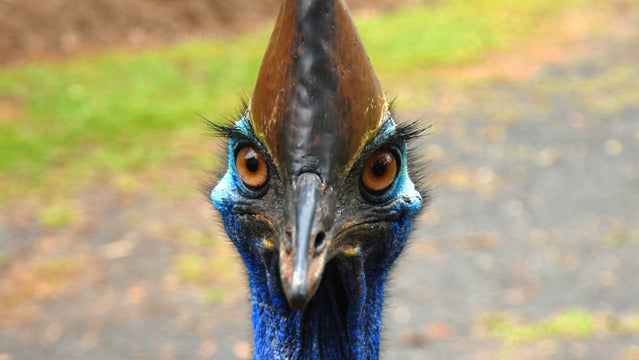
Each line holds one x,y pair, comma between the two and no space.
31,29
536,191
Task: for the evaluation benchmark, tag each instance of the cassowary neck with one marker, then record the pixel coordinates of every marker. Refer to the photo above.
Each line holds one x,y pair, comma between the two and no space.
342,321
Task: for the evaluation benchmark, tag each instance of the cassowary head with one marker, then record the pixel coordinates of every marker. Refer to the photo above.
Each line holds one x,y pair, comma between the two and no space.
318,170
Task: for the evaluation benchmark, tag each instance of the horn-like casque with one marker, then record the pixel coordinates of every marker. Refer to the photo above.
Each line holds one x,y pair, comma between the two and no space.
317,100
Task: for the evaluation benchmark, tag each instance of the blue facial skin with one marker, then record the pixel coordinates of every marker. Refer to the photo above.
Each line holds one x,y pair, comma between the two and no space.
344,317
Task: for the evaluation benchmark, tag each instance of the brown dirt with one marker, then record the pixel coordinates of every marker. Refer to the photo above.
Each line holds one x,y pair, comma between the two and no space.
31,29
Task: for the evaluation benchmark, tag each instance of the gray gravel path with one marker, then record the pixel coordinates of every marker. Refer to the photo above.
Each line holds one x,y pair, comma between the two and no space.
536,188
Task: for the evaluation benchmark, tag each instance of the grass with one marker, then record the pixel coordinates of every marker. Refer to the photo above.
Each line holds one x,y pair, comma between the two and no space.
570,324
452,32
206,264
574,323
65,125
56,216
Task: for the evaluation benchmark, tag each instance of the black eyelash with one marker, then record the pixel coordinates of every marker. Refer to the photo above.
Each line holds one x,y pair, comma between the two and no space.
407,133
227,129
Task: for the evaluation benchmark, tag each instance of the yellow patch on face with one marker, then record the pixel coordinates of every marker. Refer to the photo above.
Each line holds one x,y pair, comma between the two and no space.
352,251
370,134
268,244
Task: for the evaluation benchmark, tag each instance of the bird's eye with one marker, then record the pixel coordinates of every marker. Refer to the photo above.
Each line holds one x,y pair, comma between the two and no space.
251,167
379,171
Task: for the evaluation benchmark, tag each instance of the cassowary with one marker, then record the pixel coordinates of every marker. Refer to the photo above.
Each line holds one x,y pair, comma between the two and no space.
317,197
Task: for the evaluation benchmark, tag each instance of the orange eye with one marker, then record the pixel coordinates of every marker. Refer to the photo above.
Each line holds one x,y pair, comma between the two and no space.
251,167
379,171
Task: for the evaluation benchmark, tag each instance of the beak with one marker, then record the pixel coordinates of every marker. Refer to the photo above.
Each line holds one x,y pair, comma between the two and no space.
302,256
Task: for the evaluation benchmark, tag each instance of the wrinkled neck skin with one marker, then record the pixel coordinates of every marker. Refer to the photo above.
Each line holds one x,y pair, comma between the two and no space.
343,319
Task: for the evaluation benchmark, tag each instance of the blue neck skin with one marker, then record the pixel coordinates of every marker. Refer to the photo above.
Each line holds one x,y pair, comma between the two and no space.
333,325
343,320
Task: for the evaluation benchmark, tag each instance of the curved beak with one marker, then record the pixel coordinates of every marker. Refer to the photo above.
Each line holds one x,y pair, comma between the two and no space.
302,256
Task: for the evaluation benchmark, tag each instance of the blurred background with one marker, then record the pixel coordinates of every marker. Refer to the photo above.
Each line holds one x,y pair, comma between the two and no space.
110,250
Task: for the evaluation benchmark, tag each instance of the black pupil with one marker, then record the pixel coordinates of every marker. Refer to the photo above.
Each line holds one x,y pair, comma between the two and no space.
252,164
379,167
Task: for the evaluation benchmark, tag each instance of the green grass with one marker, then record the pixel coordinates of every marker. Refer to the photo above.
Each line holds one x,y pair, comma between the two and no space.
570,324
452,32
206,265
84,120
574,323
56,216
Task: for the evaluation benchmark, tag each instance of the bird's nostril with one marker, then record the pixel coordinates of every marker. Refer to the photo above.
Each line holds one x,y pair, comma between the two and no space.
288,239
319,240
